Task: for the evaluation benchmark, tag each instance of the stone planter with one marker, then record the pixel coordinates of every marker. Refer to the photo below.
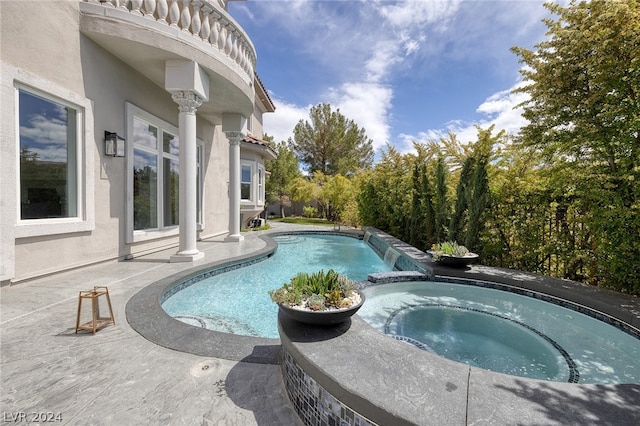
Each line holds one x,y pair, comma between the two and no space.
322,318
456,261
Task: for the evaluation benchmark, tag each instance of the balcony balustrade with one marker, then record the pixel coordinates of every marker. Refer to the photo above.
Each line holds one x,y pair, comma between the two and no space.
207,20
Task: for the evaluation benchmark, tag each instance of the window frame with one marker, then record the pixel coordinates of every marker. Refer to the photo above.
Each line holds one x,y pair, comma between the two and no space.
84,218
250,200
161,231
164,155
200,184
260,186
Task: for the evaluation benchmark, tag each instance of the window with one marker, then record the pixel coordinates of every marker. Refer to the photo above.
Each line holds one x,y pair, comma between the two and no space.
171,179
48,157
260,184
252,176
51,181
145,175
155,177
245,182
199,192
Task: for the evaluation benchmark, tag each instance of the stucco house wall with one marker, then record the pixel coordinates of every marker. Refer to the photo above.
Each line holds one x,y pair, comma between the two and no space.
43,49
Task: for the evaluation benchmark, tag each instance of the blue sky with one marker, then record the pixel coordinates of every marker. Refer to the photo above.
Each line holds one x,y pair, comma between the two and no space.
404,70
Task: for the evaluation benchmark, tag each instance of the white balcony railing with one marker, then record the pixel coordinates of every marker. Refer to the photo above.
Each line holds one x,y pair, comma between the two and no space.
204,19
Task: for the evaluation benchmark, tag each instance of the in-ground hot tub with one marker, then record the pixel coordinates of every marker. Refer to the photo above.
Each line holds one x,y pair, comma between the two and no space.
503,331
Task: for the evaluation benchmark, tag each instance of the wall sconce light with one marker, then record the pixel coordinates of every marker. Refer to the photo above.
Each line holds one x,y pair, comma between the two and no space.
114,145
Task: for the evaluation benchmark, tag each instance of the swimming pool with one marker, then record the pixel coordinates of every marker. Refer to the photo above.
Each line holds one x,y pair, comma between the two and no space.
504,332
422,382
238,302
552,343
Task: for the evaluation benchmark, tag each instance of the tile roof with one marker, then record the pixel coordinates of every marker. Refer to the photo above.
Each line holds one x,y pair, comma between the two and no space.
257,141
252,139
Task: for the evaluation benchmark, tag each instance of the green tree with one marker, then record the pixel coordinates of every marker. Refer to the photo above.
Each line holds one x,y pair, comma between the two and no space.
338,194
416,227
283,170
368,207
332,144
459,216
477,202
584,117
441,201
584,83
303,190
422,224
385,193
475,191
428,212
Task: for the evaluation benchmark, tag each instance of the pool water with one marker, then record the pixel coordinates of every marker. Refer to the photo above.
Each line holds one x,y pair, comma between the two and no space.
238,301
503,332
491,329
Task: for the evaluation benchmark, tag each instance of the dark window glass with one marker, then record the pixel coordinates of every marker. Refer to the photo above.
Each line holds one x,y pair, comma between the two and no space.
48,170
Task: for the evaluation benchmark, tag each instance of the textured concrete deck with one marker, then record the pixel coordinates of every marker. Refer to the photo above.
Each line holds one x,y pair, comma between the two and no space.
117,377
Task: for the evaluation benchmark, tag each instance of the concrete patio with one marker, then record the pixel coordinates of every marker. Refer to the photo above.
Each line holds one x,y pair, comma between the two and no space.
117,377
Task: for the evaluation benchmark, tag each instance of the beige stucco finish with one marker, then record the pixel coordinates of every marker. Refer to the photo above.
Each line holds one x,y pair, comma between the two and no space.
42,44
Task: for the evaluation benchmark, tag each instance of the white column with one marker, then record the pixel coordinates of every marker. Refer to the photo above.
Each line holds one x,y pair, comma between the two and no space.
234,186
187,102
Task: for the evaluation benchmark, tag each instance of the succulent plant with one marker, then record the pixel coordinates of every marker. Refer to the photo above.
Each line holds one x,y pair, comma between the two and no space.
449,248
319,291
315,302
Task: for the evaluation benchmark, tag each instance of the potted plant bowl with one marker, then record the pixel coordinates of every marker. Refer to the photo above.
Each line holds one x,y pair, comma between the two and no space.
319,298
449,253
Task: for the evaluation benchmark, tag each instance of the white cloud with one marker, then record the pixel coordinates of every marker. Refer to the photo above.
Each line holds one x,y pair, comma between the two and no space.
402,29
368,105
384,56
411,45
499,109
405,141
46,136
280,124
45,130
416,13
